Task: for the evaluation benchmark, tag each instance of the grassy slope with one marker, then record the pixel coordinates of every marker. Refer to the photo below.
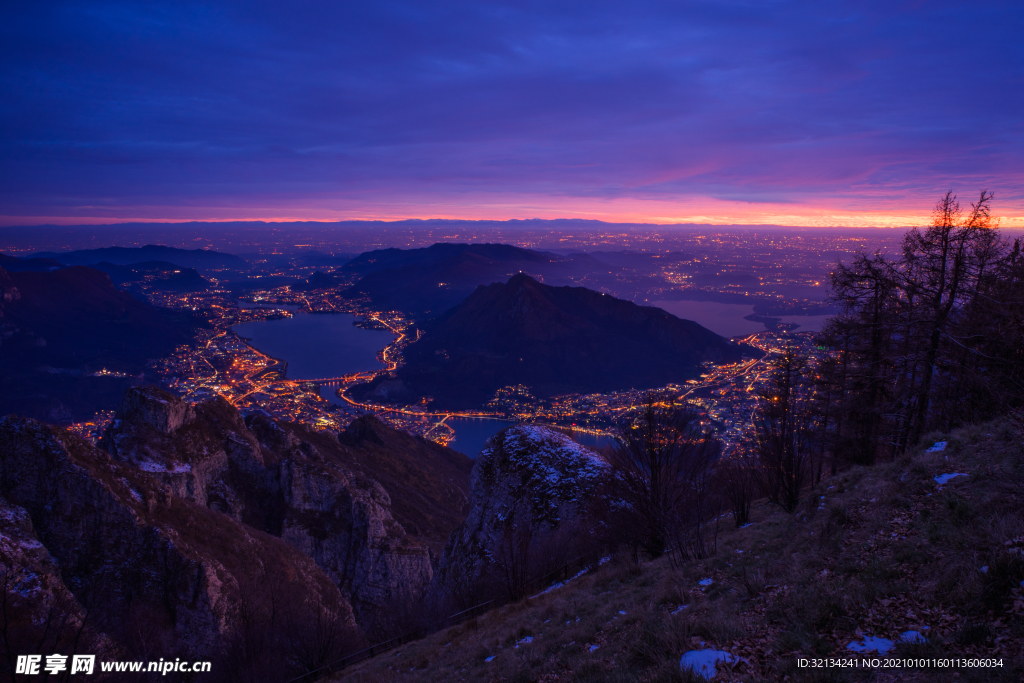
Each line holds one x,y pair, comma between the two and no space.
886,552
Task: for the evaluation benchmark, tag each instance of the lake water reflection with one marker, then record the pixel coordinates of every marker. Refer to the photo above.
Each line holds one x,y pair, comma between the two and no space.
329,345
318,345
471,433
724,319
728,319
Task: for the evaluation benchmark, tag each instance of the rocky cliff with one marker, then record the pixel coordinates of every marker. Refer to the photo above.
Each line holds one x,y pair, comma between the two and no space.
341,500
85,533
35,596
194,531
535,501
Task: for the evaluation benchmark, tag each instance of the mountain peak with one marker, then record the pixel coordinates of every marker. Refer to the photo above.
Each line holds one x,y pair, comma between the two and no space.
430,281
522,281
557,340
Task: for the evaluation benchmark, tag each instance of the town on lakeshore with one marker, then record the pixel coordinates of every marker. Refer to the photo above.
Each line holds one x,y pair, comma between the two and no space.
226,364
405,342
777,276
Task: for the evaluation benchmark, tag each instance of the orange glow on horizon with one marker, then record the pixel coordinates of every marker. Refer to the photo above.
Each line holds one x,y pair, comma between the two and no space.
627,210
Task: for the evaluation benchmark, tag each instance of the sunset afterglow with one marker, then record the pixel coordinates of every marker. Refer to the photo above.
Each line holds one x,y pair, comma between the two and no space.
724,113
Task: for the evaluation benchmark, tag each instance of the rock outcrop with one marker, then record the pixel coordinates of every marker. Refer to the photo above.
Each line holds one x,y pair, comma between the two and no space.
195,531
156,409
116,541
340,500
535,497
39,609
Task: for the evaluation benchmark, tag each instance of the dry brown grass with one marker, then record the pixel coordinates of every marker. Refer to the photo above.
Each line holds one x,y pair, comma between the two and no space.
881,550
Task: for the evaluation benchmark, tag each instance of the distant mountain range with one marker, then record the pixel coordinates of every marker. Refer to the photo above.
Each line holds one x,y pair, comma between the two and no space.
556,340
427,282
59,327
200,259
170,276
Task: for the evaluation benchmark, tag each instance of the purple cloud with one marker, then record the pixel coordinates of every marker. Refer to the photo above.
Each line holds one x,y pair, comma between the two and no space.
235,108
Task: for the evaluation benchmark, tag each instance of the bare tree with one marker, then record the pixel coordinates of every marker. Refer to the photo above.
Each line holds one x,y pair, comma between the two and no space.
318,636
738,483
867,292
929,338
252,650
939,266
662,465
693,524
785,429
515,554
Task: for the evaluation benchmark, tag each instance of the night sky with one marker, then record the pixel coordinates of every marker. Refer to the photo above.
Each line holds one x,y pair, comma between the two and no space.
801,113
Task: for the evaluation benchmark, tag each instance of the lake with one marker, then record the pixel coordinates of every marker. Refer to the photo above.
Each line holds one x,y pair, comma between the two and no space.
472,432
328,345
594,441
724,319
318,345
728,319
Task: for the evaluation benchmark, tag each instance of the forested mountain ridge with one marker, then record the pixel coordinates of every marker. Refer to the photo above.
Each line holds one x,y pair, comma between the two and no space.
556,340
428,282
